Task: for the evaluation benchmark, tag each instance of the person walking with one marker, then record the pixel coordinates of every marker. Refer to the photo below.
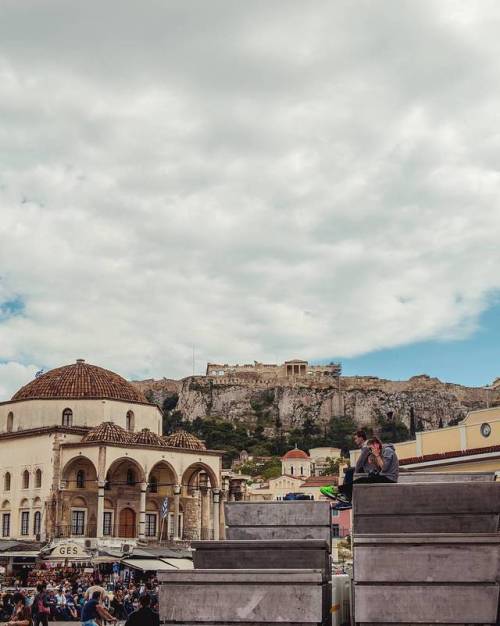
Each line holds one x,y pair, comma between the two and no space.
93,610
144,615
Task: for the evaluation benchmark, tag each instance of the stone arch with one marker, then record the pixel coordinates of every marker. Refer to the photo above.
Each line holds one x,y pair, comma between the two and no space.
79,501
70,470
166,477
5,504
25,504
37,503
117,472
191,475
108,504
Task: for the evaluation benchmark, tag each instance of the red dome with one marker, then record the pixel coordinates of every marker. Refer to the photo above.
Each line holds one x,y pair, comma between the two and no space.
79,381
295,454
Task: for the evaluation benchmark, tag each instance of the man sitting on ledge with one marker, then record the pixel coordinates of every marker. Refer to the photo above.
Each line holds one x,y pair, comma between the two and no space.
379,461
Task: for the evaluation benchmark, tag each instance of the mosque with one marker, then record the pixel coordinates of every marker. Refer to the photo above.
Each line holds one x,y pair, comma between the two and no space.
82,456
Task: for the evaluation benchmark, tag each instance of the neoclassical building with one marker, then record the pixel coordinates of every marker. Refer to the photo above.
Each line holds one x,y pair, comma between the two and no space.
82,456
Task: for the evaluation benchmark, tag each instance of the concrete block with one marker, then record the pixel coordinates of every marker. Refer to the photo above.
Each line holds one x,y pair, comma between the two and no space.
278,554
243,597
445,477
428,499
427,558
426,604
287,513
423,523
279,532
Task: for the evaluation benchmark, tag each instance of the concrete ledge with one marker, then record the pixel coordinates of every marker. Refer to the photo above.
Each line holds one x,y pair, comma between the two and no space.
441,477
256,597
436,498
287,513
426,604
451,523
427,558
291,554
279,533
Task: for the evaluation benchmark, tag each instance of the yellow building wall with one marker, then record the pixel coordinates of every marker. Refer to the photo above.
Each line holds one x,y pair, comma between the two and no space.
441,440
406,450
474,437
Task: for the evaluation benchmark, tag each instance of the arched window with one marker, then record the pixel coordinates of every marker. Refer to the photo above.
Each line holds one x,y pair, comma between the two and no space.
130,477
80,479
37,523
26,479
130,421
153,484
291,470
38,479
10,422
6,481
67,417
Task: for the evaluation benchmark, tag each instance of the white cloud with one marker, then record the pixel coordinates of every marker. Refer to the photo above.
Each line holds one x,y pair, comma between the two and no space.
256,182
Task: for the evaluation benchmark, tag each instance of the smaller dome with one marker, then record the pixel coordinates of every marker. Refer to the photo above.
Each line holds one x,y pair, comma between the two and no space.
107,432
183,439
295,454
147,438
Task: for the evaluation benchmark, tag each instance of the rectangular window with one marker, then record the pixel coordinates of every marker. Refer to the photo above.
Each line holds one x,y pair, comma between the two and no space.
335,530
25,523
335,513
107,526
6,525
150,525
78,523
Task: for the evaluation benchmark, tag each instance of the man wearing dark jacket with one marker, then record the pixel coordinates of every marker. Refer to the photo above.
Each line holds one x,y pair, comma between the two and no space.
144,616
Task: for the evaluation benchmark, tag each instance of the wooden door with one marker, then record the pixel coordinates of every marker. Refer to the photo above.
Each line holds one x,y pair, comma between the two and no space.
126,526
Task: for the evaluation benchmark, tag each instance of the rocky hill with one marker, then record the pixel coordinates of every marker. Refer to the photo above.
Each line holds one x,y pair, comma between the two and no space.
289,402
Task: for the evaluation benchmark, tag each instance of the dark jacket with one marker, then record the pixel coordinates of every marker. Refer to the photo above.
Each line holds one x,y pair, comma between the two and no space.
143,617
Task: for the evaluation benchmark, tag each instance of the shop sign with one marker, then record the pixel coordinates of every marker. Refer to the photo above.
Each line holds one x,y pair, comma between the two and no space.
68,551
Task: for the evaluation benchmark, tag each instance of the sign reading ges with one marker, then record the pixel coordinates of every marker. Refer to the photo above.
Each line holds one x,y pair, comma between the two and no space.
68,551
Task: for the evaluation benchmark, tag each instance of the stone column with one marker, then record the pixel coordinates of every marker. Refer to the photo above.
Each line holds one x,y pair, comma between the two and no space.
142,512
177,500
204,506
100,508
216,497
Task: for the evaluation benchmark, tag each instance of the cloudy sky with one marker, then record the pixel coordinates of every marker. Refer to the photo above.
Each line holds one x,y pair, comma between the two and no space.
260,180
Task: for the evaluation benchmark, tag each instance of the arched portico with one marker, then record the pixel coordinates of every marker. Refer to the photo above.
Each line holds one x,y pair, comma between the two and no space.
78,504
200,491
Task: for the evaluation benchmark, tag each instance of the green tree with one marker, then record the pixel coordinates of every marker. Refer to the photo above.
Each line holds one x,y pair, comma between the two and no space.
331,467
340,433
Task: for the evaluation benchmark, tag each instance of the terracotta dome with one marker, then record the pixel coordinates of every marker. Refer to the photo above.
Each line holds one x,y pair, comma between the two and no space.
182,439
79,381
108,432
148,438
295,454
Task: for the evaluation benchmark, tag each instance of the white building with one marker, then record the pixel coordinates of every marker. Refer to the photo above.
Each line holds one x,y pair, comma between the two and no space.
82,455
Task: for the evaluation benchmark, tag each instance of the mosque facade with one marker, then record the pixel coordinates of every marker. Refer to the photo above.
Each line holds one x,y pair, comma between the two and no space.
82,456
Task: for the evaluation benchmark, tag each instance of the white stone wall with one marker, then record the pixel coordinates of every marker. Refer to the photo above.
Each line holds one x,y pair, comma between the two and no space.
16,456
38,413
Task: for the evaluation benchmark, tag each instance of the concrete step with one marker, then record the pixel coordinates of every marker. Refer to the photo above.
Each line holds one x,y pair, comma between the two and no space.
263,554
433,507
426,558
278,520
244,597
426,604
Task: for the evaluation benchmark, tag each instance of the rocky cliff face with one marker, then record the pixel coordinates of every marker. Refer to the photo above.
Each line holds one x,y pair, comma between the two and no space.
362,398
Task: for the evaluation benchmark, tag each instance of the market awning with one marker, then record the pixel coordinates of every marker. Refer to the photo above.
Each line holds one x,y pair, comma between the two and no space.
147,565
180,563
26,553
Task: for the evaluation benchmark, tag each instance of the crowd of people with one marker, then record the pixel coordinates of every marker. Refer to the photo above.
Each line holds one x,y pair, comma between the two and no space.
82,599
